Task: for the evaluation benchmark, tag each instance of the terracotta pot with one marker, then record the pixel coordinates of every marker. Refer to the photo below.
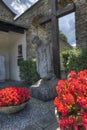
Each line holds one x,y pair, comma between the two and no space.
13,109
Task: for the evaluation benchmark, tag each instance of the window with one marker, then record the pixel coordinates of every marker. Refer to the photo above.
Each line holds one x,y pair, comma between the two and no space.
20,55
19,50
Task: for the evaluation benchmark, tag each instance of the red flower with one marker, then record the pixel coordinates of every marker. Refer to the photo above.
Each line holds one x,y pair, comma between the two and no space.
67,122
72,98
61,86
81,100
62,108
72,74
14,96
84,119
68,99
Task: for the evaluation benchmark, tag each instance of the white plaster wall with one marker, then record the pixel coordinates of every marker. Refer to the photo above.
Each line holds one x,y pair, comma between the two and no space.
4,43
19,39
9,49
4,52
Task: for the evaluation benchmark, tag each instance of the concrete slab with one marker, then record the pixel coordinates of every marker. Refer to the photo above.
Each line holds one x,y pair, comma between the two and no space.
32,127
53,127
47,120
35,112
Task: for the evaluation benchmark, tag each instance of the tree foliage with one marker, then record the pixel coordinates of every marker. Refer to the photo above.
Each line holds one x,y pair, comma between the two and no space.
63,37
75,59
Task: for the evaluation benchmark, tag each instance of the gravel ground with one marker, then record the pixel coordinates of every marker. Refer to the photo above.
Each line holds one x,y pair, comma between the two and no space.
34,111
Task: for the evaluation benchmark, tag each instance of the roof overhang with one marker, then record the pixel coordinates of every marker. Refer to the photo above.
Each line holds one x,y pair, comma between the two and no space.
7,26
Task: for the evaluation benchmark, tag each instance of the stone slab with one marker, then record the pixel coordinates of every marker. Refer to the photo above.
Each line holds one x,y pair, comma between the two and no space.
32,127
35,111
47,120
44,89
53,127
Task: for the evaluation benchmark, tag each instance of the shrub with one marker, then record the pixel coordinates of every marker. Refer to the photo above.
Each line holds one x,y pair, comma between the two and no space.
65,56
75,59
28,72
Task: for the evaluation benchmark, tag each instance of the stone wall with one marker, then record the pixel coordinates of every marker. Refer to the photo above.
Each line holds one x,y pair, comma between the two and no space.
5,13
31,19
42,8
81,23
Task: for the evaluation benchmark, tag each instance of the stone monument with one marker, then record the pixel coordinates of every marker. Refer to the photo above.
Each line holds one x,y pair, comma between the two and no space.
2,68
43,58
44,89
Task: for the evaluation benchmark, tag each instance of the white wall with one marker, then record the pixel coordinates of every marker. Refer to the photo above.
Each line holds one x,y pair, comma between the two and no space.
4,52
9,49
4,43
20,39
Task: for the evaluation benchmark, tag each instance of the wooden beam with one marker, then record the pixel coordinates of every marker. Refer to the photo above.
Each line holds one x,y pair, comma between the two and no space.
66,10
3,29
55,14
59,13
6,27
55,39
45,19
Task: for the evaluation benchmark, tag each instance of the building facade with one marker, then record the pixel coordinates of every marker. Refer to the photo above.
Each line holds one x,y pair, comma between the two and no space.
16,35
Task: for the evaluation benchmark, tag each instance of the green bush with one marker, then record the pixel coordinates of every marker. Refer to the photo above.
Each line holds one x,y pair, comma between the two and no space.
28,72
75,59
65,56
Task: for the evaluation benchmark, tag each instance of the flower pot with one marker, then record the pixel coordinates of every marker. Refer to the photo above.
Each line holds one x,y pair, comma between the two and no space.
12,109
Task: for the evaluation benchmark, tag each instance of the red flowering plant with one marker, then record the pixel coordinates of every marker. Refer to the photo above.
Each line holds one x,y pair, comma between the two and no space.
12,96
71,102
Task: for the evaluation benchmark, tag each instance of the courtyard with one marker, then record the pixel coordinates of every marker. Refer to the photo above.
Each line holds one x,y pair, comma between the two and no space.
43,64
38,115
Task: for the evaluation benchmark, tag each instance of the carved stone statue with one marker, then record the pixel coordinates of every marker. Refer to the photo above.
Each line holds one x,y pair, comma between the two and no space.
43,58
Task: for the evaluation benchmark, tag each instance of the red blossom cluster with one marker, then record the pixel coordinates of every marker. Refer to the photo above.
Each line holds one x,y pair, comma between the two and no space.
14,96
66,122
84,119
72,94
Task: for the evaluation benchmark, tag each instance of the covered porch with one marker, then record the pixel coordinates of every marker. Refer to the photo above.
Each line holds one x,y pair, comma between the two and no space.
11,38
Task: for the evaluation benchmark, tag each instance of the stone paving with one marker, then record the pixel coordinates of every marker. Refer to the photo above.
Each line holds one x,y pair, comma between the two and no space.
48,121
38,115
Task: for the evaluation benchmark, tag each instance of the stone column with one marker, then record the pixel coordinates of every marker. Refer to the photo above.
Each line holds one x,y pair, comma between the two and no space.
81,22
2,68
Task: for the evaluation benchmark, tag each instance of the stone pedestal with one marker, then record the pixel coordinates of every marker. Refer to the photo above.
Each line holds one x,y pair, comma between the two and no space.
2,68
44,89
